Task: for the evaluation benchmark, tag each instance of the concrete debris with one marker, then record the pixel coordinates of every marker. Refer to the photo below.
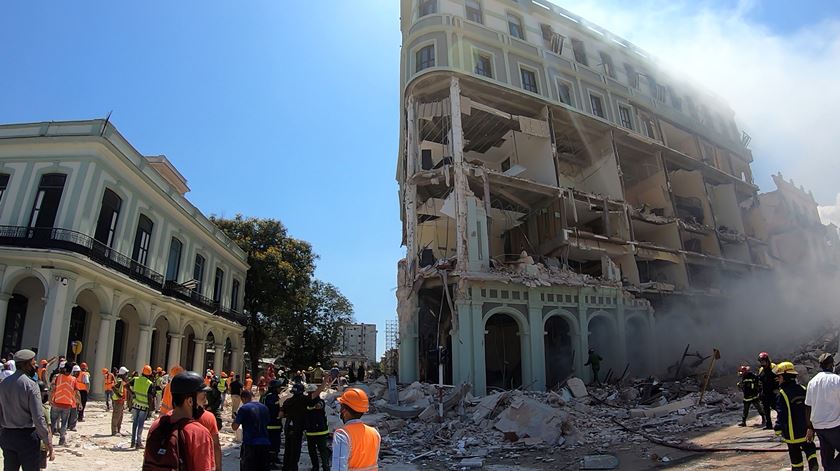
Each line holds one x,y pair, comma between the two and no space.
577,387
528,418
599,462
469,463
663,410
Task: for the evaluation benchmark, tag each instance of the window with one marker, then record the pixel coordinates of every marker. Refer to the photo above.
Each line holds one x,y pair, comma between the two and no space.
234,296
428,7
580,51
426,58
483,65
529,80
217,285
607,62
198,273
4,182
597,105
142,239
474,11
692,108
676,101
174,263
515,26
624,116
564,91
632,76
109,213
45,207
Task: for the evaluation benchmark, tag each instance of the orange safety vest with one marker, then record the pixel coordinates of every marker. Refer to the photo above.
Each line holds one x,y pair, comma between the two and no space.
166,401
364,446
109,382
80,381
65,391
42,374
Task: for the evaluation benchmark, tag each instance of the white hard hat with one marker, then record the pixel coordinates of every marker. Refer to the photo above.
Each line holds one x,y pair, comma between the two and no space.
122,371
61,365
76,369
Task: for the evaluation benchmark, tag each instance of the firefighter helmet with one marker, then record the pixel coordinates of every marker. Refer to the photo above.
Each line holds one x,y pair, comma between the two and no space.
763,356
744,369
785,367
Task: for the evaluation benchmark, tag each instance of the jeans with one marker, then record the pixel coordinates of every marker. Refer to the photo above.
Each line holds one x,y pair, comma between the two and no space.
21,449
254,458
317,446
84,396
108,400
62,419
138,417
74,419
829,446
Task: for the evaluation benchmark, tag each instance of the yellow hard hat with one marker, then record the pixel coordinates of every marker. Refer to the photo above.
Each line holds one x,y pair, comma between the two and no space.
785,367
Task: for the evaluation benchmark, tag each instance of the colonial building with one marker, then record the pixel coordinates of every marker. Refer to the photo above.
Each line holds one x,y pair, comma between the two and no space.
556,188
98,244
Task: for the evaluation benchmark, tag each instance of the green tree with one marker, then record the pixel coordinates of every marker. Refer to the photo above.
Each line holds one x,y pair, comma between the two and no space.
277,287
314,332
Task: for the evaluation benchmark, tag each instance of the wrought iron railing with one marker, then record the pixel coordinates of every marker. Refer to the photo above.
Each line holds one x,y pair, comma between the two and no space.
66,239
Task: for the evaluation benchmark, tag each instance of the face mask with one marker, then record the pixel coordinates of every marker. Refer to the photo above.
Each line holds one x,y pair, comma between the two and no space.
197,411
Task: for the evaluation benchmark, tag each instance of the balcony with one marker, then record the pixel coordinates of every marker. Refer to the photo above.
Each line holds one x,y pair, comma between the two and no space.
77,242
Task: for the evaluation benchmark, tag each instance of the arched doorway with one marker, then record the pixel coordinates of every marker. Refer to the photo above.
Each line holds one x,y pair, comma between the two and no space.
559,350
78,322
603,340
126,333
24,315
161,343
188,349
638,336
502,352
84,324
210,353
228,358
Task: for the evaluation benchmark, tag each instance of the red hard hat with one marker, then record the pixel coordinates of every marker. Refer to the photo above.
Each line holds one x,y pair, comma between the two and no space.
355,399
763,356
147,370
743,369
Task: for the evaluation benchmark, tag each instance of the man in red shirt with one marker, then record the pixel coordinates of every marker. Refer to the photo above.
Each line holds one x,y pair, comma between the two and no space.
197,443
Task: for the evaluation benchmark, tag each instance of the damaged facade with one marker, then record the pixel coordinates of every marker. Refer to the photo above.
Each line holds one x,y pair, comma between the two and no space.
556,188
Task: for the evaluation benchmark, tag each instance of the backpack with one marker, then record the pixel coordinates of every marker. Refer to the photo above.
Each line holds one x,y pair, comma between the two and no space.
165,446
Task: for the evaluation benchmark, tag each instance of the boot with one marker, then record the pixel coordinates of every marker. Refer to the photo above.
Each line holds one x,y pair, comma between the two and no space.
743,423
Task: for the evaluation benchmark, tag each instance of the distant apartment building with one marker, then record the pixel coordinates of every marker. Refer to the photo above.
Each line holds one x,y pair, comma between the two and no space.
358,343
99,244
557,188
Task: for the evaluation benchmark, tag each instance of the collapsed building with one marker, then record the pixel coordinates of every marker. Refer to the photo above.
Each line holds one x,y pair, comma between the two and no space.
552,202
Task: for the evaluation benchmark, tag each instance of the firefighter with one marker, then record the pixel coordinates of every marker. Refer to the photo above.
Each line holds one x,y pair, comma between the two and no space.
750,386
792,418
271,399
769,388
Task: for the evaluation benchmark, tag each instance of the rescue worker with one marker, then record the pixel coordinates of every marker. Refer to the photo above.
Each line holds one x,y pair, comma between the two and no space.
750,386
256,446
261,386
249,382
318,374
317,429
792,418
74,412
166,397
83,383
594,361
142,390
108,386
159,384
63,399
42,371
214,401
355,444
236,389
769,388
118,396
223,387
275,425
294,411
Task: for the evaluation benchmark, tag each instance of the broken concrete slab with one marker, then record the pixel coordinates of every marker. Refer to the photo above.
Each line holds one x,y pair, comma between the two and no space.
528,418
577,387
487,405
471,463
663,410
401,412
599,462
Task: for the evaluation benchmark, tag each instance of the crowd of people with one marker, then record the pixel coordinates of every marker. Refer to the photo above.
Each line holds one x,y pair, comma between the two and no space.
47,398
802,411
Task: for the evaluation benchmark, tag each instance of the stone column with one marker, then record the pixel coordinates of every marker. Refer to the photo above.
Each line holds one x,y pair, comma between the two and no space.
462,343
218,358
174,350
104,349
583,372
144,346
479,365
198,356
56,309
4,307
537,344
236,361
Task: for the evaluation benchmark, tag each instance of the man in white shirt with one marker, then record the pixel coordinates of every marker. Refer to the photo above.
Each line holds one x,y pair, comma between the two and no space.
823,400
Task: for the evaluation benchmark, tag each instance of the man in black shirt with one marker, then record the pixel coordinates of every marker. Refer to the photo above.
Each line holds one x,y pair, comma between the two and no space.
294,411
317,430
235,391
275,424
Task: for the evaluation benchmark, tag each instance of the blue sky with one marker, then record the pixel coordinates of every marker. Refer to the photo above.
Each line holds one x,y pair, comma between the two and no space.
287,109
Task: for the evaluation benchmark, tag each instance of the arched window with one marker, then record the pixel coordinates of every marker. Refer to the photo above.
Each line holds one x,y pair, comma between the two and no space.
106,225
45,206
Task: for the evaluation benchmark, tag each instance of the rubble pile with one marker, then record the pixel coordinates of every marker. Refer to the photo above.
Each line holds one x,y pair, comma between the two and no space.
511,424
